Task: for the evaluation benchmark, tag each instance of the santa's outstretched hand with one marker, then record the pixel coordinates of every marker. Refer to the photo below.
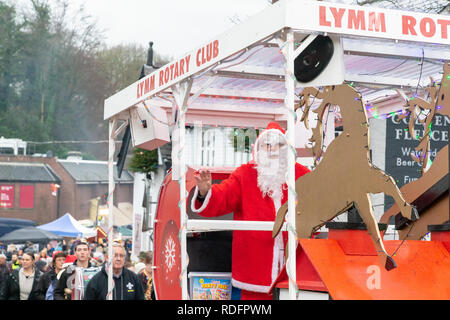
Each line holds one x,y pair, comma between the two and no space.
204,181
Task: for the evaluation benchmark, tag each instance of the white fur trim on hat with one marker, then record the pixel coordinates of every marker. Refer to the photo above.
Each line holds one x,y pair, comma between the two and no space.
249,286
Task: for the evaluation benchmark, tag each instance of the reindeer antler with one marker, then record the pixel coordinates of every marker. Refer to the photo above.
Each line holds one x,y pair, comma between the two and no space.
316,137
423,149
305,101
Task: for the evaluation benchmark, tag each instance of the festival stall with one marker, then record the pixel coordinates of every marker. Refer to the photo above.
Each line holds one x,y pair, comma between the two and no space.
254,68
10,224
32,234
67,226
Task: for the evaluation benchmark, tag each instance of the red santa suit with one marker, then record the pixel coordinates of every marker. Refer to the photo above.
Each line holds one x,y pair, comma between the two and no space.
256,257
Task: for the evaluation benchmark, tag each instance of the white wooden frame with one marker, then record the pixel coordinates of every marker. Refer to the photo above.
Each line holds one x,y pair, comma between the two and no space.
295,18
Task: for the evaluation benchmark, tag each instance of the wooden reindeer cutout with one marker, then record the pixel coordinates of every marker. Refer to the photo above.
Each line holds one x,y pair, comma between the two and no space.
443,95
438,103
344,177
438,212
423,149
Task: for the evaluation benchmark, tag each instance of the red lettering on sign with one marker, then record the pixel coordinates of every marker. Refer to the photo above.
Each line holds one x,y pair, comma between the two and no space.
203,56
215,48
377,22
181,67
140,89
444,25
152,82
171,71
149,84
167,75
408,24
356,21
199,63
337,15
146,85
187,59
176,70
207,53
323,17
161,77
427,27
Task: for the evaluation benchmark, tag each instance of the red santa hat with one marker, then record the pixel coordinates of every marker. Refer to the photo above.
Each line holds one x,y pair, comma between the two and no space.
70,258
274,125
273,133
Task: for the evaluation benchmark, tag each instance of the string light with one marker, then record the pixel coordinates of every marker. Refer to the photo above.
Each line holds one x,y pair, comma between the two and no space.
255,99
374,112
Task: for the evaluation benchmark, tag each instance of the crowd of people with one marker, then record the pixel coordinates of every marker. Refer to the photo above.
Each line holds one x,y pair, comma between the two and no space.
74,270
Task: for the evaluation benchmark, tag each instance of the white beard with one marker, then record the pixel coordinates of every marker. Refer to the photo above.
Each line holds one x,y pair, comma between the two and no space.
271,173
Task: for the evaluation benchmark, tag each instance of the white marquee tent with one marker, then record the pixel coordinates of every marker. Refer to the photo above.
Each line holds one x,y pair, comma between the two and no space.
67,226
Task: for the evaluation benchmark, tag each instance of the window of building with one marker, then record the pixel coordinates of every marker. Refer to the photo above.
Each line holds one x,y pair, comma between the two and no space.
26,197
6,150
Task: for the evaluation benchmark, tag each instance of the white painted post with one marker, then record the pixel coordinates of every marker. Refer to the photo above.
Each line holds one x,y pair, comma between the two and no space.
182,131
290,88
181,94
112,128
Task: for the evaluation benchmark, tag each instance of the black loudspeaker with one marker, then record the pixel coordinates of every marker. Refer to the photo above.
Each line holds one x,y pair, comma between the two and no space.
313,59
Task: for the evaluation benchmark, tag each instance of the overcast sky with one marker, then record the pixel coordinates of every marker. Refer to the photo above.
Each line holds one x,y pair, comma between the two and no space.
175,26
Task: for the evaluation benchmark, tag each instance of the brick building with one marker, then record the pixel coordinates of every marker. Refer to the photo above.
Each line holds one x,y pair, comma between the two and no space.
43,189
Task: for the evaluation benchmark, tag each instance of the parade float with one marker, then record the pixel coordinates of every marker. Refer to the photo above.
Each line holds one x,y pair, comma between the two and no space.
293,59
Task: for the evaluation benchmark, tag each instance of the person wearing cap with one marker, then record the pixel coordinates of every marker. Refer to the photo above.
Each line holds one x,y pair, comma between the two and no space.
50,276
138,267
145,276
253,192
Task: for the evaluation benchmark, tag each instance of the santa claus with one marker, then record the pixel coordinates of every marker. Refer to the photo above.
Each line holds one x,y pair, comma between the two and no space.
254,192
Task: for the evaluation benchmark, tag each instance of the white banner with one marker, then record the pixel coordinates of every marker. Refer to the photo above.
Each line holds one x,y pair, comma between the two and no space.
307,16
369,22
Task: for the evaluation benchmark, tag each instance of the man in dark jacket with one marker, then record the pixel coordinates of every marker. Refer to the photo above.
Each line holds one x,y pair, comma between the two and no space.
4,272
126,283
65,284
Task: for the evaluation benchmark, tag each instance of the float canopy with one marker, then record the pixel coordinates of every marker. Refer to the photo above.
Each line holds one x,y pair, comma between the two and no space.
241,71
242,75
